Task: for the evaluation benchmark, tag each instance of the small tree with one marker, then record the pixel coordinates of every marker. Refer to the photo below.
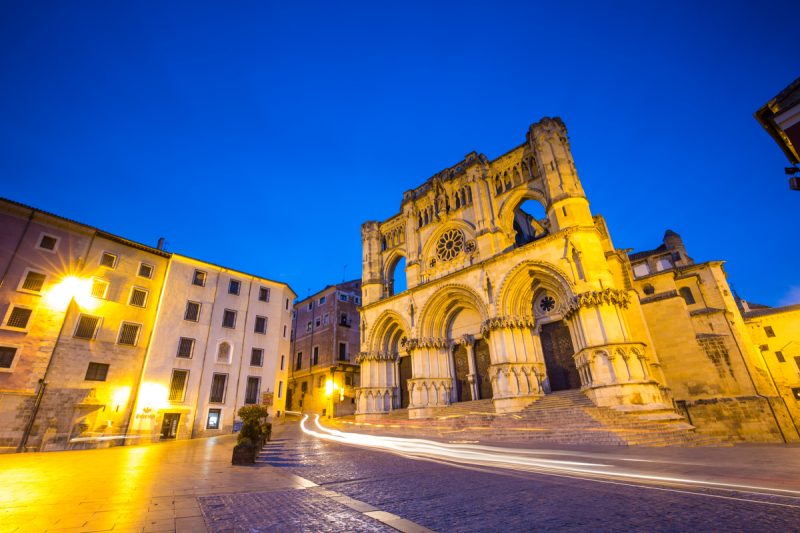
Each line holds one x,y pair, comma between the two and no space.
254,434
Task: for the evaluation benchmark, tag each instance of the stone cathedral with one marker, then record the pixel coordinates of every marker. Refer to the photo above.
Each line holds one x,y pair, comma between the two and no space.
502,305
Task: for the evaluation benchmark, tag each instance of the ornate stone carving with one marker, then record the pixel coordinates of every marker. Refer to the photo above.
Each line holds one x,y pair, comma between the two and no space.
375,356
465,340
424,342
507,321
594,298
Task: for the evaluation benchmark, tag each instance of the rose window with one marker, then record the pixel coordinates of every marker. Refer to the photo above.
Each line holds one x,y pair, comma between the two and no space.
547,304
450,245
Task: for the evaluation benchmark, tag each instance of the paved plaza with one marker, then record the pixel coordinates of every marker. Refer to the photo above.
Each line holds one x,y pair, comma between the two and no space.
304,483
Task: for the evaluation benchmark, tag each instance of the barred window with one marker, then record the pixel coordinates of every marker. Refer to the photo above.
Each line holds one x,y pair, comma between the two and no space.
108,260
87,327
34,281
228,319
128,334
218,383
234,286
96,372
145,270
768,331
261,324
199,278
48,242
315,356
251,393
19,317
177,385
263,294
99,288
138,297
192,311
7,354
257,357
185,347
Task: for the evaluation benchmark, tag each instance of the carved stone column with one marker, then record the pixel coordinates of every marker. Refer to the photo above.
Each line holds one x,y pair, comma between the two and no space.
378,388
432,383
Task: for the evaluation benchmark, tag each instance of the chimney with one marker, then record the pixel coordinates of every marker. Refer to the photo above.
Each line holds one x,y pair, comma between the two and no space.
160,243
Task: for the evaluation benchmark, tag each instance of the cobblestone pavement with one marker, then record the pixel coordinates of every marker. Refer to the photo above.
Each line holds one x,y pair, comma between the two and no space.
445,497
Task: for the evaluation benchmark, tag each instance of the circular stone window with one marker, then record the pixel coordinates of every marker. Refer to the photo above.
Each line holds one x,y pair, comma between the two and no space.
547,303
450,244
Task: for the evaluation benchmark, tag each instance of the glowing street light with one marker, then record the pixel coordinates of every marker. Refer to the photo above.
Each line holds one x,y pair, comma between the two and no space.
61,294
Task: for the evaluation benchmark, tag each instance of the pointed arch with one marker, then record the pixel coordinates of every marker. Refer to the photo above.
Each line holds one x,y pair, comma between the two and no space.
443,306
521,285
507,210
387,332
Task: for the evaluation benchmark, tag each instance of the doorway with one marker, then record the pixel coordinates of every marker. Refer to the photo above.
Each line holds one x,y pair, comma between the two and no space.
463,390
482,362
169,428
404,371
558,352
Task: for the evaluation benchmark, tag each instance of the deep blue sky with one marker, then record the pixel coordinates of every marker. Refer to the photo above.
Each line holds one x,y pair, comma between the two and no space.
261,136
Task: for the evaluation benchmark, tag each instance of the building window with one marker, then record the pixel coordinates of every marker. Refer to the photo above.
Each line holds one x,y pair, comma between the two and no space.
96,372
177,385
108,260
641,269
257,357
769,331
348,380
304,387
213,418
199,278
263,294
185,348
343,297
282,360
48,242
686,294
19,317
322,300
251,392
7,354
99,288
87,327
315,356
218,383
224,352
326,319
234,286
308,326
228,318
320,382
138,297
33,281
129,334
342,351
344,320
192,311
663,264
648,289
299,363
145,271
358,300
280,389
780,357
311,305
261,325
284,331
317,322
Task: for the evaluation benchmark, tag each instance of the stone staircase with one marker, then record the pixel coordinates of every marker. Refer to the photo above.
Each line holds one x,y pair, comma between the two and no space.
564,417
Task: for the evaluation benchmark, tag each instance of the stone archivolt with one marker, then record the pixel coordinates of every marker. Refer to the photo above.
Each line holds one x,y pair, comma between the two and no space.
616,297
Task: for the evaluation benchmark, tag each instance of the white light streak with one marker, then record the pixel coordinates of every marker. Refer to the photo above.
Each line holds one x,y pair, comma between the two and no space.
513,459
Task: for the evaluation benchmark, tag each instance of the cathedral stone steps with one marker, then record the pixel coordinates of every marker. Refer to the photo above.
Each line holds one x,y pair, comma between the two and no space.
564,417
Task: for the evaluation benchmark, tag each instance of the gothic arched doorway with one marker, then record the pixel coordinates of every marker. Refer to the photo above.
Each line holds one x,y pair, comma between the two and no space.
558,352
482,362
461,364
404,374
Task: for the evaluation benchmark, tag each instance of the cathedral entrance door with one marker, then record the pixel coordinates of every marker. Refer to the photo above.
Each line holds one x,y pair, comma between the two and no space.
461,363
404,371
482,362
558,352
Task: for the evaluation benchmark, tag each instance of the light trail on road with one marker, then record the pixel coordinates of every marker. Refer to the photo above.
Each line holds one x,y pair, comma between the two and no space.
525,460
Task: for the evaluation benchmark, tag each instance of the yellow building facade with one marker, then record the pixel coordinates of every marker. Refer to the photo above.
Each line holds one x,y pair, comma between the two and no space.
511,307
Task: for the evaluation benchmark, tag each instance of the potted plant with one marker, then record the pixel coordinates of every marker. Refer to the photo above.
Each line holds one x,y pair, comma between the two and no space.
254,434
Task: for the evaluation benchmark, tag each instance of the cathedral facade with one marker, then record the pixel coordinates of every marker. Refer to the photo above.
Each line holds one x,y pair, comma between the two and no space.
499,304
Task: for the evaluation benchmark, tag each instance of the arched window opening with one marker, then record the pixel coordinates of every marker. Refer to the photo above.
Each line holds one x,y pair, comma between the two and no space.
224,353
528,219
397,278
686,294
